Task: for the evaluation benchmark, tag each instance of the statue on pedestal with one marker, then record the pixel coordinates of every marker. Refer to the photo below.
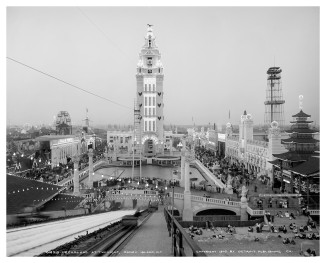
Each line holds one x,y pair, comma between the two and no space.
229,189
244,192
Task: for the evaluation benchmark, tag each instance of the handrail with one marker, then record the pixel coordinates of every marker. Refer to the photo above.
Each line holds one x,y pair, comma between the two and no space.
255,212
178,235
207,200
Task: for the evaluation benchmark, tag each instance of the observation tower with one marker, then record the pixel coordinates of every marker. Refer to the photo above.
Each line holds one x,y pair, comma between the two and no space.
274,110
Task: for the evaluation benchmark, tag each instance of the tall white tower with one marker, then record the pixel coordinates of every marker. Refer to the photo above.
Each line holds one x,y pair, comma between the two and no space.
150,95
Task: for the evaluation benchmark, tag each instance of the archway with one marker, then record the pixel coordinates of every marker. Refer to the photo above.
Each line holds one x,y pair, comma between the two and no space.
215,212
149,148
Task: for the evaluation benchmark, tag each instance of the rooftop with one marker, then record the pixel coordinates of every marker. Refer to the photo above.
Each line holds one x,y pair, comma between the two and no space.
295,157
311,166
53,137
301,114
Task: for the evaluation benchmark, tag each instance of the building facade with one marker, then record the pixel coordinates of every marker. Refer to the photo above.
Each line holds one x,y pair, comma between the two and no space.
255,155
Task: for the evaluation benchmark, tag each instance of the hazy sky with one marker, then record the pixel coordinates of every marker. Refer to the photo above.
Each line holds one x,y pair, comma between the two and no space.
215,60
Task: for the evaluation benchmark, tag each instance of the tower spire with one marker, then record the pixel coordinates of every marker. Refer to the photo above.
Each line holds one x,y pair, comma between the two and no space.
300,102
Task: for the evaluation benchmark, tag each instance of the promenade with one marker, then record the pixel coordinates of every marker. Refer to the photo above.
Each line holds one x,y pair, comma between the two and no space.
151,240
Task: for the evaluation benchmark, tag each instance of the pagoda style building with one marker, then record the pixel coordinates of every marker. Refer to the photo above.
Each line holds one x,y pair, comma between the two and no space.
297,171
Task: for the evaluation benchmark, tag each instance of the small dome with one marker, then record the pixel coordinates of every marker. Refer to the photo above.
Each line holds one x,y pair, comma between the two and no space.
274,124
140,63
228,125
249,117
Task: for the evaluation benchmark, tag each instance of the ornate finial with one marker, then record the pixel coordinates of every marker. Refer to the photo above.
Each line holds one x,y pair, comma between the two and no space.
300,102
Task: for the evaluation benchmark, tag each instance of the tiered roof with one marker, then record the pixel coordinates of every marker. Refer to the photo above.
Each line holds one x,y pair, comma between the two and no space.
309,168
300,134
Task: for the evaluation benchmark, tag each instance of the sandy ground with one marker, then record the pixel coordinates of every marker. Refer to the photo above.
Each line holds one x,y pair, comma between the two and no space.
242,242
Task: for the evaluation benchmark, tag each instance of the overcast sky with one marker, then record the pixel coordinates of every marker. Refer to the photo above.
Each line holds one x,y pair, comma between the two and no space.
215,60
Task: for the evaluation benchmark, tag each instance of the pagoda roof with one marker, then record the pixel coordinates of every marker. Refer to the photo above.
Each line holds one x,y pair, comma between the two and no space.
301,130
311,166
275,162
301,114
305,121
295,156
300,140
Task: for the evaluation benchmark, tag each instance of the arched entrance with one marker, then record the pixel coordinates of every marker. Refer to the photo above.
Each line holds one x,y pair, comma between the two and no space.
149,148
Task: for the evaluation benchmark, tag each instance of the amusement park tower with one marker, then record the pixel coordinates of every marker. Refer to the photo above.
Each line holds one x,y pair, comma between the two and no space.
274,110
149,101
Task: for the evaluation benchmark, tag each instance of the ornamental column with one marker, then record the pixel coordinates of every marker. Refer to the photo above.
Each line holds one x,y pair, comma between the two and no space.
187,214
75,159
244,204
90,168
183,156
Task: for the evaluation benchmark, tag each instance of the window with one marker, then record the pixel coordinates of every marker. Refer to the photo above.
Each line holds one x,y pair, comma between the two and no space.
145,111
153,111
150,126
153,87
121,139
145,125
149,101
150,111
153,101
149,71
150,88
149,43
153,125
145,101
145,87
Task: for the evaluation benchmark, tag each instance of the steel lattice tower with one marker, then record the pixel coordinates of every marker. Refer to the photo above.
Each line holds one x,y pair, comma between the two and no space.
274,110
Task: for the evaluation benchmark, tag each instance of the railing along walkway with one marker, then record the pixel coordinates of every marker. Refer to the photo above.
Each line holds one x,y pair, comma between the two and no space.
208,200
180,238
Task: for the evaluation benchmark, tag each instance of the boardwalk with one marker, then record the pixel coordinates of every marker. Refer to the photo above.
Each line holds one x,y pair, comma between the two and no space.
152,239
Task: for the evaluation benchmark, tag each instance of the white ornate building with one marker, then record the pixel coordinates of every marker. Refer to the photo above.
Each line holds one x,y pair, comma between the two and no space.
254,154
150,102
150,95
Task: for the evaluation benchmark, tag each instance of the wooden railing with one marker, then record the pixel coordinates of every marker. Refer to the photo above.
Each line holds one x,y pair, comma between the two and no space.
178,236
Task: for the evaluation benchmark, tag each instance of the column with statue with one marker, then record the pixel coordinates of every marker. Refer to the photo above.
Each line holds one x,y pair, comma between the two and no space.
75,160
183,156
228,189
90,168
187,214
115,151
244,204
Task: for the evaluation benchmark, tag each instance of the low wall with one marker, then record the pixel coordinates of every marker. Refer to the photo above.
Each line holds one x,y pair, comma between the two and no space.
235,223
